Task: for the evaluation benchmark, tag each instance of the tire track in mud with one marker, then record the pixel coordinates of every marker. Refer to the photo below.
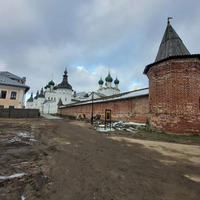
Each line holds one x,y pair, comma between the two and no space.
23,159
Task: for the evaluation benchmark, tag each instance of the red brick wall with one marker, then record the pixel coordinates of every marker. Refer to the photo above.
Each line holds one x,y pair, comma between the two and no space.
174,92
178,124
132,109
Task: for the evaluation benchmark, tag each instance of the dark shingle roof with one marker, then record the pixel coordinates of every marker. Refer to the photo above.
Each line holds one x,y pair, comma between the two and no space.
31,98
7,78
171,45
41,95
64,84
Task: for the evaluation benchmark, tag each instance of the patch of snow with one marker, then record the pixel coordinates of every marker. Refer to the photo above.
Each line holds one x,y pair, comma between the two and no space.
13,176
118,124
129,130
26,135
24,162
22,197
102,125
134,123
105,130
15,139
133,128
3,140
33,140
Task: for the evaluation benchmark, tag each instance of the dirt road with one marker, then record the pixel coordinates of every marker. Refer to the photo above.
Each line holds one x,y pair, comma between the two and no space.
57,159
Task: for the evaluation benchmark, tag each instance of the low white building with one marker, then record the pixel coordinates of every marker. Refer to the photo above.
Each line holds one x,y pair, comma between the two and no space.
47,101
108,90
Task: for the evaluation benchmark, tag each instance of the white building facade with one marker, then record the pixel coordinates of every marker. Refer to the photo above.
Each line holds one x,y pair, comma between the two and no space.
47,101
108,90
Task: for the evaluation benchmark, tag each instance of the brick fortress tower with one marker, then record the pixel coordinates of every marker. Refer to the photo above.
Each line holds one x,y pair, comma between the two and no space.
174,87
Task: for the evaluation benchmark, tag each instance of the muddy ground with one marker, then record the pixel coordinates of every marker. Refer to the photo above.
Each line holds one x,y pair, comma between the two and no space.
66,159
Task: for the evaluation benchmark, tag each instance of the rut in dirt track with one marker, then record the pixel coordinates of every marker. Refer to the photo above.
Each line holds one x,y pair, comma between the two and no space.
59,160
90,165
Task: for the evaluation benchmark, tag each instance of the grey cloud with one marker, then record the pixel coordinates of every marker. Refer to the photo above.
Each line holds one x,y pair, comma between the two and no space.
39,38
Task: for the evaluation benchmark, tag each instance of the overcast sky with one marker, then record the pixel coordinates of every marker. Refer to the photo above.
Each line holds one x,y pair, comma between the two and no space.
39,38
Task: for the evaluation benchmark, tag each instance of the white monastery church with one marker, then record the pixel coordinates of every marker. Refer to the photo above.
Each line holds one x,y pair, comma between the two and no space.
47,101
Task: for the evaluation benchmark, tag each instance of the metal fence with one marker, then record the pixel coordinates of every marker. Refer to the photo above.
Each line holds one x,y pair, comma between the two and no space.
19,113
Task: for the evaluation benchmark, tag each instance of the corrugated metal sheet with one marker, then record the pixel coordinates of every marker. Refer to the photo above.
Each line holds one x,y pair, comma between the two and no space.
131,94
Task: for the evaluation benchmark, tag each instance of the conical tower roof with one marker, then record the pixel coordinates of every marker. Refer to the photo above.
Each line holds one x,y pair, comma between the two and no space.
60,102
41,95
31,98
171,45
64,84
37,94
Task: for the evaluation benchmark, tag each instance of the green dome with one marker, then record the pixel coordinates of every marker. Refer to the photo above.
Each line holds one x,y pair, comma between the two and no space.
101,82
116,81
51,83
108,78
55,87
47,86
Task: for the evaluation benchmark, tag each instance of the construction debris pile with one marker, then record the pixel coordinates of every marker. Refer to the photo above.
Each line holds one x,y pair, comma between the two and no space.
121,126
